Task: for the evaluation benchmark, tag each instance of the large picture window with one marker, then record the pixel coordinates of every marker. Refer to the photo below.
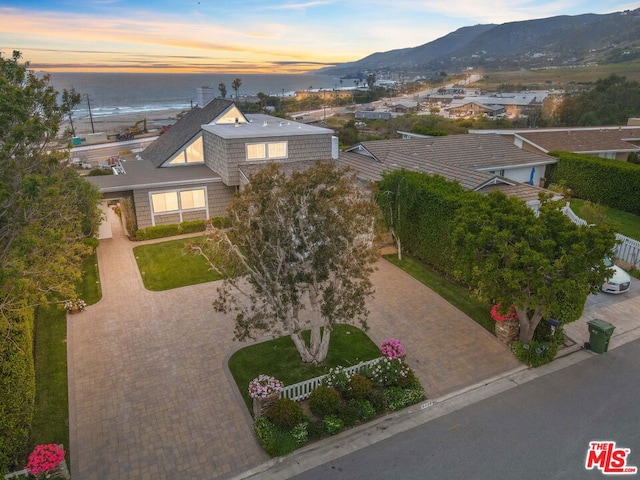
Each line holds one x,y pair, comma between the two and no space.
264,151
164,202
190,199
194,153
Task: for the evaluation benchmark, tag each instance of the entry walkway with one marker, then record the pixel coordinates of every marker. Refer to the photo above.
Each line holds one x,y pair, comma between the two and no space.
149,393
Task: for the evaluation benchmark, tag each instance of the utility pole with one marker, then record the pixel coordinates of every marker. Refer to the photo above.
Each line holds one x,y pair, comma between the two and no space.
93,130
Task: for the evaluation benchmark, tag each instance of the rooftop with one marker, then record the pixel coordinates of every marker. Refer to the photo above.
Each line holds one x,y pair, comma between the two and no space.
261,125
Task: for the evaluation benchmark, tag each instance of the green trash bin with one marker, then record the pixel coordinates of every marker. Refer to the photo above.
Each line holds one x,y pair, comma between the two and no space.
599,335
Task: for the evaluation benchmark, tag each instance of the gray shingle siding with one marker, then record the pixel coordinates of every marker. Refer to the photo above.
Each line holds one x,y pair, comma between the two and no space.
218,198
225,156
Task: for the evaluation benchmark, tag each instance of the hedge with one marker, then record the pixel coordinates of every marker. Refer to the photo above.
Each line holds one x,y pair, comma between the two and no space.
613,183
162,231
17,384
420,208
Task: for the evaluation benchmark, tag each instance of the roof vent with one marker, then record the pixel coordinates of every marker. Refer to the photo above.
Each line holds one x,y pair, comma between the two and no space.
265,124
237,122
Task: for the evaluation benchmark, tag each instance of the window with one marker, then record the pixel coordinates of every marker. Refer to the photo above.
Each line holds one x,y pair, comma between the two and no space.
263,151
164,202
256,151
194,153
190,199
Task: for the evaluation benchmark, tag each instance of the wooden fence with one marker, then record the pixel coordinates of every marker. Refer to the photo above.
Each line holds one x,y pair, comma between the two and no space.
627,249
302,390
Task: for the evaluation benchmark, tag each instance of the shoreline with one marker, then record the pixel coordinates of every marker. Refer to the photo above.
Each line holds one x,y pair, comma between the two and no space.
112,124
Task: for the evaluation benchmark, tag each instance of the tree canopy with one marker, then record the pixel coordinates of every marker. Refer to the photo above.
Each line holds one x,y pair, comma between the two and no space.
301,250
512,256
47,212
612,101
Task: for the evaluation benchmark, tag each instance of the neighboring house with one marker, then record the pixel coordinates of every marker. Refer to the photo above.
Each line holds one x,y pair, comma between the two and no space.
475,108
513,104
605,142
192,171
372,115
478,162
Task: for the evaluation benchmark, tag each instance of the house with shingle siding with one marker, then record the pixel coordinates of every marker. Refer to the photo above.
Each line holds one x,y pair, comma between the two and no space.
191,171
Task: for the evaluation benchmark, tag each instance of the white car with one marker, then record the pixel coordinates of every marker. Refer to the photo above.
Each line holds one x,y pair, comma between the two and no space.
618,282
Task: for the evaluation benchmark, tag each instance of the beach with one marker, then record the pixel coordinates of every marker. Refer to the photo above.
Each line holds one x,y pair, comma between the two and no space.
117,123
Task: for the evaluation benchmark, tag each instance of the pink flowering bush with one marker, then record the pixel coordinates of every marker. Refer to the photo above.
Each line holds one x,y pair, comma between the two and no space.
498,317
44,458
392,348
264,386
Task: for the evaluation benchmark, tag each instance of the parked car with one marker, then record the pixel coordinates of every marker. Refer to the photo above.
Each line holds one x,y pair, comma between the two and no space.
619,282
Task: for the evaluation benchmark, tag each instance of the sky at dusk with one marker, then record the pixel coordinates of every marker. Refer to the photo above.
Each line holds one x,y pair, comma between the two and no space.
245,36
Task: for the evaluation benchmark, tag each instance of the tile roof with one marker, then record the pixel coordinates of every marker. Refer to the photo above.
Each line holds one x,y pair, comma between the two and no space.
183,131
584,140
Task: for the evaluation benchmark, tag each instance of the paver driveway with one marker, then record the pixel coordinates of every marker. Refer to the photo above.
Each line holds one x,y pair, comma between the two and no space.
149,393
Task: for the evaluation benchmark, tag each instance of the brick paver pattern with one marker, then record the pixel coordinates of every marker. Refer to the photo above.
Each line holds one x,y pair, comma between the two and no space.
150,394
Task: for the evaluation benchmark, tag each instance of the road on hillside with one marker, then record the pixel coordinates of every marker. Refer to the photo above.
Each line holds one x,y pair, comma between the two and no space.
541,429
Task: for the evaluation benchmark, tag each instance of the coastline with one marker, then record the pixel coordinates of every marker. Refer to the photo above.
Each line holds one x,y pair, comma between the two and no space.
111,124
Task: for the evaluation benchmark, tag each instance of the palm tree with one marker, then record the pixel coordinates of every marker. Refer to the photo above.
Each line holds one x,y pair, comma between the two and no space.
223,90
236,86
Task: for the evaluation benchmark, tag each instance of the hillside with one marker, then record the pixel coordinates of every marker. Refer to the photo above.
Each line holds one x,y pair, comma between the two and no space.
556,41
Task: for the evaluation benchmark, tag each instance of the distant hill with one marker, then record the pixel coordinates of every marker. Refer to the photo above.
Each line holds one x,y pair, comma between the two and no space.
555,41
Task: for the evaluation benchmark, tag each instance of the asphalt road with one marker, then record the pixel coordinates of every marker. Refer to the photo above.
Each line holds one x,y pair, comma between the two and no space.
539,430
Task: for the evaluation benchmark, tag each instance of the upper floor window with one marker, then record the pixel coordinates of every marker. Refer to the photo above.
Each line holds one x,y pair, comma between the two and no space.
264,151
194,153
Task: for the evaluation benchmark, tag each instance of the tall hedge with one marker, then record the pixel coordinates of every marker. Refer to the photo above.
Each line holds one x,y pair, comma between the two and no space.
613,183
17,384
420,207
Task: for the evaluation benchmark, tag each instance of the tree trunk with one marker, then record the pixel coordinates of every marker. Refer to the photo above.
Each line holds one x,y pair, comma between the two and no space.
528,325
302,348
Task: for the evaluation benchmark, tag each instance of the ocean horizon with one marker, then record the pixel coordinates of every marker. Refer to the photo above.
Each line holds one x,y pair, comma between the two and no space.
131,93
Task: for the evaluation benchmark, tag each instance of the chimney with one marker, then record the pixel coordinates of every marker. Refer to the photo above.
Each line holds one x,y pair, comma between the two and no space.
205,95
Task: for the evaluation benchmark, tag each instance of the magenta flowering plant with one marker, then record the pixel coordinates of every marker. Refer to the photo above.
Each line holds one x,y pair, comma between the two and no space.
392,348
264,386
44,458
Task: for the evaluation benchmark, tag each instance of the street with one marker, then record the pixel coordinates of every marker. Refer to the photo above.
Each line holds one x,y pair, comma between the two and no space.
540,429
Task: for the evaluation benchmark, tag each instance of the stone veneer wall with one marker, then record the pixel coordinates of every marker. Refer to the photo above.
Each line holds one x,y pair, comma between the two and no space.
218,198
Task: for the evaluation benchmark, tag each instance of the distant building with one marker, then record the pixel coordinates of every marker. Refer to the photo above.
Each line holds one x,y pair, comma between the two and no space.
373,115
322,93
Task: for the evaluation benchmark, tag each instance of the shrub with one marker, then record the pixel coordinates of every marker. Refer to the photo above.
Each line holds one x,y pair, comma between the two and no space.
285,414
266,433
349,413
221,222
407,379
376,398
365,409
359,386
193,226
159,231
534,353
387,371
336,378
98,172
324,400
398,397
332,424
300,433
315,429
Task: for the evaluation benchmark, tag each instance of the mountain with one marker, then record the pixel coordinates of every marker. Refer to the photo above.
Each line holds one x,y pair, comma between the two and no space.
554,41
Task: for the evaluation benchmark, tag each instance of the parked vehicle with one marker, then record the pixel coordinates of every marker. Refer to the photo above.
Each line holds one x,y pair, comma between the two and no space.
619,282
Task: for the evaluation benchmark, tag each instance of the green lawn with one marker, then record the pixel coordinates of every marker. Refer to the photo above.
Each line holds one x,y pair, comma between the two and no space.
456,295
169,265
279,358
89,287
51,417
624,223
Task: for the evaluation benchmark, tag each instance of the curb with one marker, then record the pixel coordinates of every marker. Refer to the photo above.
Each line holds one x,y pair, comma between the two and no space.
328,449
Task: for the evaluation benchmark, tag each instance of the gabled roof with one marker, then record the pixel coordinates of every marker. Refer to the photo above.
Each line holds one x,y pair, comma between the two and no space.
472,152
584,140
183,131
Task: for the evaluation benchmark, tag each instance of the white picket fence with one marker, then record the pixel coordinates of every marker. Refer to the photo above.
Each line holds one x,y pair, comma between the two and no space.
627,249
302,390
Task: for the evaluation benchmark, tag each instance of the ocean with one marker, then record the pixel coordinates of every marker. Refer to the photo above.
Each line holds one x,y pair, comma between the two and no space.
132,93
